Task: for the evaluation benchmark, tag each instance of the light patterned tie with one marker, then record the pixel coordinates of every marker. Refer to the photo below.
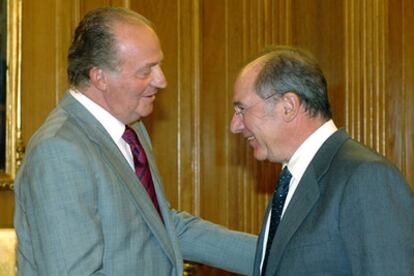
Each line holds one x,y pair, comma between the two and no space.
278,200
141,165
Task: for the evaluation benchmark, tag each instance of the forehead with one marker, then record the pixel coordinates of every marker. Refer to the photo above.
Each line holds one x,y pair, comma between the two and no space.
139,41
127,32
244,87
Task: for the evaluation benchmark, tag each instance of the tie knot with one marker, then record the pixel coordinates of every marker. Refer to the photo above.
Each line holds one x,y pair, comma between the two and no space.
284,180
130,136
285,175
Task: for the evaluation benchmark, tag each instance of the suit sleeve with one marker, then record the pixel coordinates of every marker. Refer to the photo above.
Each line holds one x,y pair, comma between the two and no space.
377,223
56,202
204,242
208,243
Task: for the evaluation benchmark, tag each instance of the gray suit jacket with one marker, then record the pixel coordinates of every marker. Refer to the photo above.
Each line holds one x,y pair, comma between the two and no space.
80,209
352,214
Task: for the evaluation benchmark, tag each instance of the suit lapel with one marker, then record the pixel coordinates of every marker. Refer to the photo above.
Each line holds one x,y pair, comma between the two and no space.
112,155
304,198
163,202
145,142
143,202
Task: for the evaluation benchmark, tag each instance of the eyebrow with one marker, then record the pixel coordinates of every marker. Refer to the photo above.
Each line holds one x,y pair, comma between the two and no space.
152,64
238,104
148,66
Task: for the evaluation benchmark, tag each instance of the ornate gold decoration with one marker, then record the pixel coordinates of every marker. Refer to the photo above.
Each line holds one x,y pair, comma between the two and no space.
14,142
190,269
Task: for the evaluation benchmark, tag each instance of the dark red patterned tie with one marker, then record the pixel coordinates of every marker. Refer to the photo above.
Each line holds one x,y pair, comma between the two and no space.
142,169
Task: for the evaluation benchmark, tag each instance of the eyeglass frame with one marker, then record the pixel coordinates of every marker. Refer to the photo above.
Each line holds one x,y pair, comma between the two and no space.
241,112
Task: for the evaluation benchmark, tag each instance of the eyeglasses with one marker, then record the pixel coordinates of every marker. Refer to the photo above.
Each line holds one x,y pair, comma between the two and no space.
240,111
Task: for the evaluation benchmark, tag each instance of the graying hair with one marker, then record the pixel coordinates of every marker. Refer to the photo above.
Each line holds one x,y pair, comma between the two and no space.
289,69
94,43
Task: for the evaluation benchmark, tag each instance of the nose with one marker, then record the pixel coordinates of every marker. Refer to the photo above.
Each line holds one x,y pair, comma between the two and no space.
159,79
237,124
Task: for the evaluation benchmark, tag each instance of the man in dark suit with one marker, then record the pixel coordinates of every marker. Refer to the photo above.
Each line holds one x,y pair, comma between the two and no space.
339,208
89,198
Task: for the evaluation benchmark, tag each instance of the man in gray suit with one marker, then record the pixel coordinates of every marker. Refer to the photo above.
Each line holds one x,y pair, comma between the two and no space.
81,207
339,208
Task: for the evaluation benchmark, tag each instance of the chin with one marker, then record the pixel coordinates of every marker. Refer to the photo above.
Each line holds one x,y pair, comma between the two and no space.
259,156
145,113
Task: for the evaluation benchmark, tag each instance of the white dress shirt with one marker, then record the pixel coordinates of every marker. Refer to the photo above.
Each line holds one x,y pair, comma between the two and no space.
297,166
112,125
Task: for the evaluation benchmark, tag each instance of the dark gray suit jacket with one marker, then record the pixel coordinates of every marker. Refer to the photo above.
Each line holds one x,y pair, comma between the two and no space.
352,214
81,210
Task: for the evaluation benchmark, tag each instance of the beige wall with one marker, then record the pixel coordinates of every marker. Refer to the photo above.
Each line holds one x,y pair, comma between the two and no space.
364,46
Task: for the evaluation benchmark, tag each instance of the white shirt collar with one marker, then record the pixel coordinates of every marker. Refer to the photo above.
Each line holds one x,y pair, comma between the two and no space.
305,153
112,125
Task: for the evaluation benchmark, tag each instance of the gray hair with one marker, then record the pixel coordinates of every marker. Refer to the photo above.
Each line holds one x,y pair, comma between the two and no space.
94,43
289,69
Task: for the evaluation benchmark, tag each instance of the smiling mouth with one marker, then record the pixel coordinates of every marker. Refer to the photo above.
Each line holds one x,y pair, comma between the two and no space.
150,96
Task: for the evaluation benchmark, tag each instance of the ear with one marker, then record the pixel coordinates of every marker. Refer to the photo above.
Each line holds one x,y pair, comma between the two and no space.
97,77
290,105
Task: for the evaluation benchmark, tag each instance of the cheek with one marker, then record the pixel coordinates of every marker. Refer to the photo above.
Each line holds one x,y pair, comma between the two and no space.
133,94
254,125
140,85
249,123
133,86
263,132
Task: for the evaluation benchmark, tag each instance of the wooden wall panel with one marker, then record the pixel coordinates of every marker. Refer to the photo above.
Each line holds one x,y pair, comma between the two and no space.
39,74
319,27
214,111
365,99
400,84
365,49
188,106
6,208
408,101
